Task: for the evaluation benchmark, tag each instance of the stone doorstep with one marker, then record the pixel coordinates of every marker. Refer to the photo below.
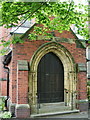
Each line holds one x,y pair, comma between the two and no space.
52,104
54,113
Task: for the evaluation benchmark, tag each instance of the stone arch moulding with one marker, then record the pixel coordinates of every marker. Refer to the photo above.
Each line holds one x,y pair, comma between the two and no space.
69,72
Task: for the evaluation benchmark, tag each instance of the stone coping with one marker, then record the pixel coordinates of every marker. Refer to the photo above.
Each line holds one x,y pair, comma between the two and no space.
82,101
22,106
3,79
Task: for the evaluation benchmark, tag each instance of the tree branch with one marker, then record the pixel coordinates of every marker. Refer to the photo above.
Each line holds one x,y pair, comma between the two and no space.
24,12
29,16
68,10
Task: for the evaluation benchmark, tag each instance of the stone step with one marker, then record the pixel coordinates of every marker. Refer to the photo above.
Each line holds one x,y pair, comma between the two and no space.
52,104
54,113
48,109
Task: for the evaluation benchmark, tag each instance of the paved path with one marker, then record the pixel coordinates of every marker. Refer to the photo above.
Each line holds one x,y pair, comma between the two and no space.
71,115
74,115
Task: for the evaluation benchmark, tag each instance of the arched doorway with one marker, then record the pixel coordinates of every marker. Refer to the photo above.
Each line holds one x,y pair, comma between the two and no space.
64,57
50,79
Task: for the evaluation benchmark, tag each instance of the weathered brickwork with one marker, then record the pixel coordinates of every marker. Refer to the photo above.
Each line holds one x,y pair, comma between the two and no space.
3,88
22,92
26,50
3,78
19,79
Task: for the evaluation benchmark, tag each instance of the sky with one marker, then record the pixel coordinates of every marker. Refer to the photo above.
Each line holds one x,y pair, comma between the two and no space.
76,1
85,2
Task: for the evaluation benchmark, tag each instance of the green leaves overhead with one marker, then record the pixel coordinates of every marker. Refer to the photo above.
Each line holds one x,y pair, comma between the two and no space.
14,12
6,44
52,15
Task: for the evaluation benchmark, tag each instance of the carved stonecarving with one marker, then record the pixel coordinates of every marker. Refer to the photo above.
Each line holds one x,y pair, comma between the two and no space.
57,39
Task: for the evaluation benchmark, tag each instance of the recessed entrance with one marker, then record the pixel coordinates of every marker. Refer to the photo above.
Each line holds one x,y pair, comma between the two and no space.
52,72
50,79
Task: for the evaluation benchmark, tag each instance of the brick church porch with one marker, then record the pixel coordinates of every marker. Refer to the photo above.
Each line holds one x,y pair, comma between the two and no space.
23,101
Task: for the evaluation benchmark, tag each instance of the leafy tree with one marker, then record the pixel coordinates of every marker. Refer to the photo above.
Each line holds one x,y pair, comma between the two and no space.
64,15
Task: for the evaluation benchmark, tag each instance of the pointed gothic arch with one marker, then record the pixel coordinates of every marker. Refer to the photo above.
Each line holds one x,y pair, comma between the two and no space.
69,72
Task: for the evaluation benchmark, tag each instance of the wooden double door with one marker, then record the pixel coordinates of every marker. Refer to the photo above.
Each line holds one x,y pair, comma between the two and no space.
50,79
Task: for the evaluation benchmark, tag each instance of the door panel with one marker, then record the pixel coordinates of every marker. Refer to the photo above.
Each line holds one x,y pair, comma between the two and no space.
50,79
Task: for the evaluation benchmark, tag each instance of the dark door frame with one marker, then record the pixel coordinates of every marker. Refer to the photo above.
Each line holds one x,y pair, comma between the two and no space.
50,79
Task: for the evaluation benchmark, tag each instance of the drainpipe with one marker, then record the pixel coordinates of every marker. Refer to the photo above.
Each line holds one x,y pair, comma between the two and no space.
7,86
6,62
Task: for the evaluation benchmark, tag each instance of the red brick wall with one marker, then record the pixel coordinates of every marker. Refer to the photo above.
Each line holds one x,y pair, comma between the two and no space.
22,87
2,73
3,76
4,35
25,51
21,52
4,88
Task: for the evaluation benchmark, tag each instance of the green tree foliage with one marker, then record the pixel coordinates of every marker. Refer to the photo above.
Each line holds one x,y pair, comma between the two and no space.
64,15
